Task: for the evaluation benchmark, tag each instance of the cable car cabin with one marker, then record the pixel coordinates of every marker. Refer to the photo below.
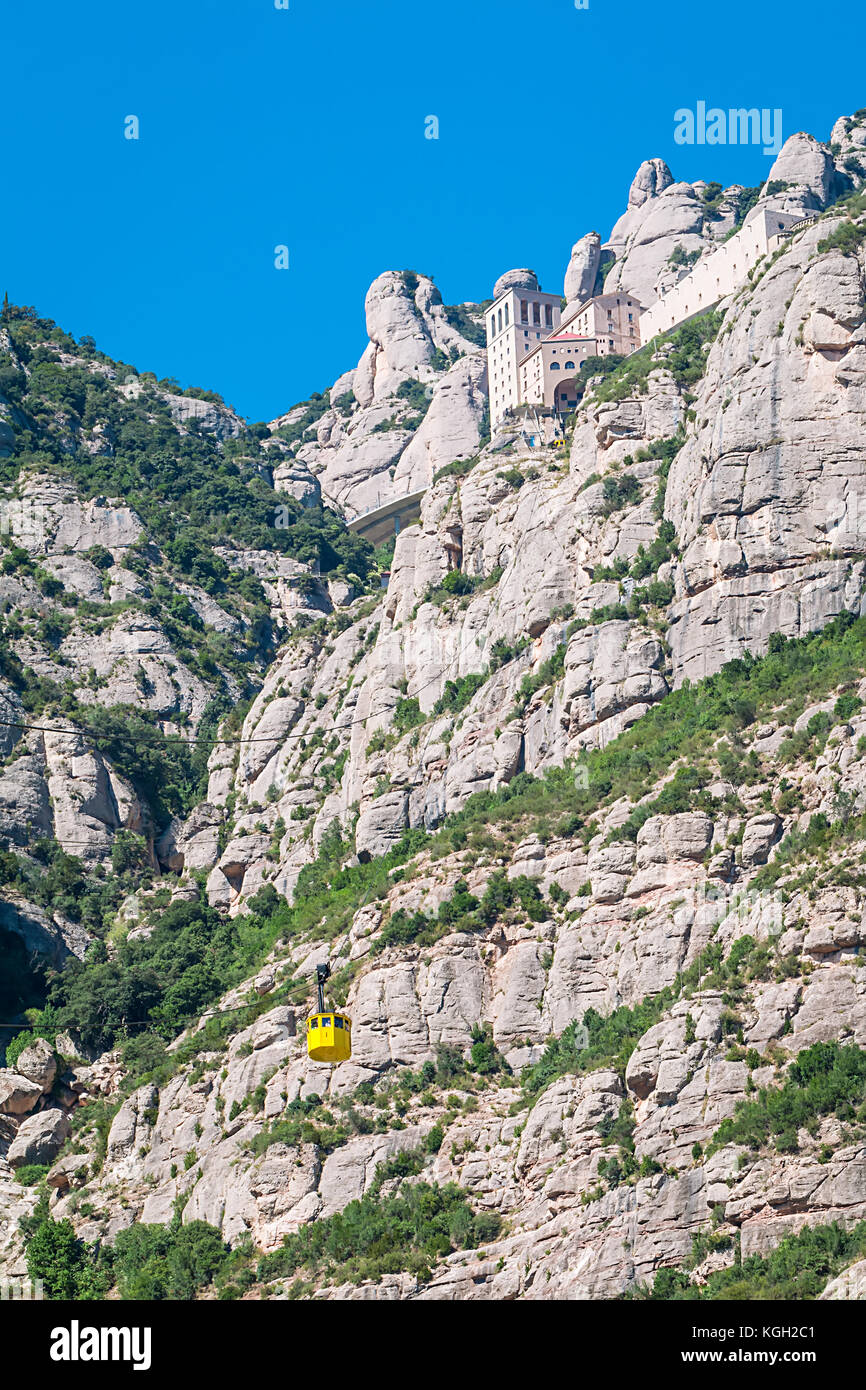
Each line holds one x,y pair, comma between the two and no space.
329,1037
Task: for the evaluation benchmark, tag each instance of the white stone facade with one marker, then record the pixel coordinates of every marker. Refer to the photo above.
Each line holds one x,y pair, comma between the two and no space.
535,351
534,354
518,321
720,273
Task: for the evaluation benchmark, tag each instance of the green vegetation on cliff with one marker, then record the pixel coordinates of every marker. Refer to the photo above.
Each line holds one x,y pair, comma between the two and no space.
192,491
410,1228
825,1079
799,1268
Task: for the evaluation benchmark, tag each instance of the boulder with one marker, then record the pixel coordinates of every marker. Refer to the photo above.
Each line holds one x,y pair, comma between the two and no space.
71,1171
515,280
39,1139
381,824
758,836
18,1094
583,268
38,1063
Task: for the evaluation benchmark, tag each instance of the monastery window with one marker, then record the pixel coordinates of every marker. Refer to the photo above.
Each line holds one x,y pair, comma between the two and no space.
506,316
524,311
554,366
548,315
536,313
569,365
500,320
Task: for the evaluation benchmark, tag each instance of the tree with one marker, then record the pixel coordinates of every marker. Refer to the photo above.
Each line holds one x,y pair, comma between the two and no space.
66,1266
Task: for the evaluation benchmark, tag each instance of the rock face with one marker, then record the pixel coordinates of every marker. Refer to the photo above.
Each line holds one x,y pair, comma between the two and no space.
582,271
415,402
850,1285
515,280
769,519
38,1063
546,602
52,936
451,429
39,1138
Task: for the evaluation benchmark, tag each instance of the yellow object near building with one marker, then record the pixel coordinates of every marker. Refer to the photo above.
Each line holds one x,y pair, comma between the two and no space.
329,1037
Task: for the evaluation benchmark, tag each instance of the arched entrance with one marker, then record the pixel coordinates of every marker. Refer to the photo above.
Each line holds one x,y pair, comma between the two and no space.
565,395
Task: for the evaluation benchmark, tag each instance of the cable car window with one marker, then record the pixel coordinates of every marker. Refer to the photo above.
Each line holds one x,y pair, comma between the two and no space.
326,1023
338,1023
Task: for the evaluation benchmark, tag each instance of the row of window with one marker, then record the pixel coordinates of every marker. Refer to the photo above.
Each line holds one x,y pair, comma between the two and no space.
536,313
501,318
327,1022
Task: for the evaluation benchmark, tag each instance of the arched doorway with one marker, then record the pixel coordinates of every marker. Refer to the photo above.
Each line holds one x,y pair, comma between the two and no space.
565,395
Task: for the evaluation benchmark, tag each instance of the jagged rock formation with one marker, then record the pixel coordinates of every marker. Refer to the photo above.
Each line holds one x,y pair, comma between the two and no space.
414,403
515,280
582,272
767,493
550,602
669,225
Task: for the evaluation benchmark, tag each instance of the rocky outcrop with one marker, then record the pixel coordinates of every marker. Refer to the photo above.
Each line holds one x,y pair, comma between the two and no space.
39,1138
804,176
668,216
18,1094
766,494
582,272
419,394
515,280
38,1063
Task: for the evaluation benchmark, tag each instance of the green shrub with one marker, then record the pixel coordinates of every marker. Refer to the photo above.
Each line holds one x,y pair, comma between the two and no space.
412,1229
799,1268
29,1174
825,1078
458,693
847,238
407,715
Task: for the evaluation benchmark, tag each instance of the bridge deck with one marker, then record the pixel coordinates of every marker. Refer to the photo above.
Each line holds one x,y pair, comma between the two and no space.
383,521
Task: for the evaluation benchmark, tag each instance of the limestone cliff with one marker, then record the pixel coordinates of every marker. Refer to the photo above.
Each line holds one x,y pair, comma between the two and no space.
586,914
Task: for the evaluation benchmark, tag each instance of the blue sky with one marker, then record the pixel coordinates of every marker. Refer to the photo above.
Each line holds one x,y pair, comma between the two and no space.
305,127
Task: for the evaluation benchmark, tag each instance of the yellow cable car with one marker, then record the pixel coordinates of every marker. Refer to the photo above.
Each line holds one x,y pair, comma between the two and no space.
329,1033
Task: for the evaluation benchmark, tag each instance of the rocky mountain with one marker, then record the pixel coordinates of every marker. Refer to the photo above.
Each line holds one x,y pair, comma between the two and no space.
575,806
416,401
